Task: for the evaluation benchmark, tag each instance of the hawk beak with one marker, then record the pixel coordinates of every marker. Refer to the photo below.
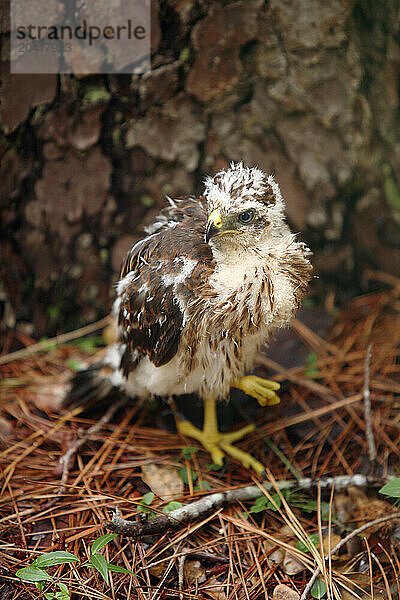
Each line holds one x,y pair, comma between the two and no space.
214,224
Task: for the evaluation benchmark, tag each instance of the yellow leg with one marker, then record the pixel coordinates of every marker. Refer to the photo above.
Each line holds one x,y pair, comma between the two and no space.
259,388
216,443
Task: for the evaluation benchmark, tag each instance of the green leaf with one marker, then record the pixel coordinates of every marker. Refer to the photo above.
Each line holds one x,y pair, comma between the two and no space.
204,486
314,539
48,344
89,344
148,498
215,467
60,557
311,369
174,505
391,488
64,594
60,596
312,506
33,574
276,504
263,503
102,541
188,451
318,590
183,474
99,562
259,505
75,365
118,569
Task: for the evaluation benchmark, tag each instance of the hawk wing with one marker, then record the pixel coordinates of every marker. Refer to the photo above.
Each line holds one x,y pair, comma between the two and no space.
151,311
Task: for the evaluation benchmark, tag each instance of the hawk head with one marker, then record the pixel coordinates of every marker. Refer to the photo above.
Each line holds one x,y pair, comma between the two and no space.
243,206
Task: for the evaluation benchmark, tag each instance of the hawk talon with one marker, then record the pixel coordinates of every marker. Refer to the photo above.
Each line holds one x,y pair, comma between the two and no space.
263,390
218,444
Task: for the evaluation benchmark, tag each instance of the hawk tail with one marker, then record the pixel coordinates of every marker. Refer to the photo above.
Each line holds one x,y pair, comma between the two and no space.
92,383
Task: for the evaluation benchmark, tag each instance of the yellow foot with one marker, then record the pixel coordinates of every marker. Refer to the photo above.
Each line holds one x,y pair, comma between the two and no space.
259,388
218,444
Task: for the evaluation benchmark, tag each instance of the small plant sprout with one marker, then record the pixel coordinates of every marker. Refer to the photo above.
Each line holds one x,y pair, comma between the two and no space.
188,452
314,539
318,589
98,561
37,574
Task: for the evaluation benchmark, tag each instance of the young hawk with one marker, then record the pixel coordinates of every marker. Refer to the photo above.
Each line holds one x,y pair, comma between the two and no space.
214,277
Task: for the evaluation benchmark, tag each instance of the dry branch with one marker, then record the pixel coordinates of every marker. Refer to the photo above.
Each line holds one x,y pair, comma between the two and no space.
208,504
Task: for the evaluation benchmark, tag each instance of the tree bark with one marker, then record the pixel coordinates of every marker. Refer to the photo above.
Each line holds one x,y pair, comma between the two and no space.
305,89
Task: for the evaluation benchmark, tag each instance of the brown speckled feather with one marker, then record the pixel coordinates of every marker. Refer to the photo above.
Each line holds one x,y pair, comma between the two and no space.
150,313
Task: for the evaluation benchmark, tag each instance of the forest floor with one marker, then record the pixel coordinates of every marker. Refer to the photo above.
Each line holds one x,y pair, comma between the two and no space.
265,547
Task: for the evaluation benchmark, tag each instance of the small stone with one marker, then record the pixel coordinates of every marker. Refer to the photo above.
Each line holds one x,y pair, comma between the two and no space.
283,592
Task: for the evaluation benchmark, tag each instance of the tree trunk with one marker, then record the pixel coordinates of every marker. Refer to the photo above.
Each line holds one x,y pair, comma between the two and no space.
305,89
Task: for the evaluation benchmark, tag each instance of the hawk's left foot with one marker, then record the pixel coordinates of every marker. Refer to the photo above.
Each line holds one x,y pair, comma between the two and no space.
218,444
263,390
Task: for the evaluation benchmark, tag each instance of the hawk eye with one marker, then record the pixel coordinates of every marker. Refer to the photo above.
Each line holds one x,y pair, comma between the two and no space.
247,216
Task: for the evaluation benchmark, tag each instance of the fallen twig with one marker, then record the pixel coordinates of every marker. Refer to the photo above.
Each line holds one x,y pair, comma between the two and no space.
207,504
344,541
367,407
